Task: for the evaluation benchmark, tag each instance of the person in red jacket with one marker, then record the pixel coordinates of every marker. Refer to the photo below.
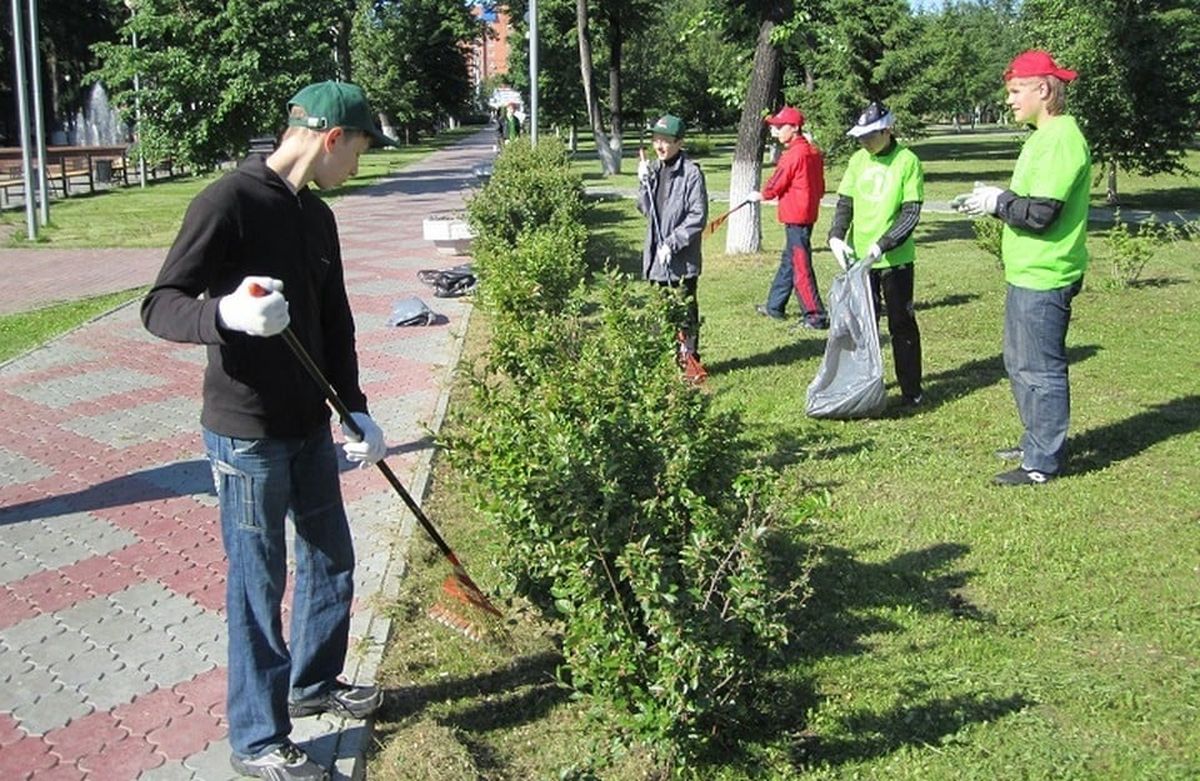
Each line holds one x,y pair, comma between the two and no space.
798,183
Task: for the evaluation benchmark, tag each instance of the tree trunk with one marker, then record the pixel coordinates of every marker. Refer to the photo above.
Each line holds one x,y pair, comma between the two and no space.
744,229
608,160
341,44
615,41
1110,196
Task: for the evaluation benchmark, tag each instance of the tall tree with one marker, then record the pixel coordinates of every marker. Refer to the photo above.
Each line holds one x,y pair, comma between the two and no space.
411,59
610,160
744,228
215,73
1138,94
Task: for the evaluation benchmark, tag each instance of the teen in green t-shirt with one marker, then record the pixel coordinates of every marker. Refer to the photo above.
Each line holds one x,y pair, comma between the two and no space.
879,203
1045,213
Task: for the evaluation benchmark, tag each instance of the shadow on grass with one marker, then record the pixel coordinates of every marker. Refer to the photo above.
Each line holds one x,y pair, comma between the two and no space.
780,356
870,735
504,705
786,448
607,245
947,386
1098,448
949,229
851,599
954,299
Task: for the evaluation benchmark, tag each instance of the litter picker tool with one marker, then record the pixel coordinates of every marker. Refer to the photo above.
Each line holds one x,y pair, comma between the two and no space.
719,221
459,585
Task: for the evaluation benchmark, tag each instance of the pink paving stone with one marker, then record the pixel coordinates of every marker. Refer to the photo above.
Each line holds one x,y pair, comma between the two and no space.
150,711
49,591
187,735
121,761
14,609
10,733
84,736
210,596
204,691
22,760
61,772
101,575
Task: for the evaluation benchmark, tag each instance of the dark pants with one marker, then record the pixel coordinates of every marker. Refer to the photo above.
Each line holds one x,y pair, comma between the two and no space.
893,288
690,328
796,273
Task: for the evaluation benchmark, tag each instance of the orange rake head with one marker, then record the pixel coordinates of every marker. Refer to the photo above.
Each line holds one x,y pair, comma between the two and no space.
462,589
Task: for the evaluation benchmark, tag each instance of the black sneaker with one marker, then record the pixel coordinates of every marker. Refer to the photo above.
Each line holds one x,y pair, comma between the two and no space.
1010,454
912,401
762,310
343,699
810,325
286,763
1022,476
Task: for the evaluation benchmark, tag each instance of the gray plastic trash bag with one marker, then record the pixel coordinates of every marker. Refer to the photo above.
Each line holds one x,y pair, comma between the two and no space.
849,383
411,311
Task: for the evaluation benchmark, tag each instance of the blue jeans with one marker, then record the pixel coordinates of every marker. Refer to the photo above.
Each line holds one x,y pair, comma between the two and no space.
796,273
1035,357
259,482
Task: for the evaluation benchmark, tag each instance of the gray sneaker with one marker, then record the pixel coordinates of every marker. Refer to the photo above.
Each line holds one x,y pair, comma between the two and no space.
342,699
286,763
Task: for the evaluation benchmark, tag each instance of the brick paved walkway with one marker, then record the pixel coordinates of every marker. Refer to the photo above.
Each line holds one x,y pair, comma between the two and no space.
112,638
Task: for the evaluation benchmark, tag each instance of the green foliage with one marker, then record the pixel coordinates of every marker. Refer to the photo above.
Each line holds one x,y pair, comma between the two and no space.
988,234
1130,248
215,74
628,523
409,57
1138,95
530,188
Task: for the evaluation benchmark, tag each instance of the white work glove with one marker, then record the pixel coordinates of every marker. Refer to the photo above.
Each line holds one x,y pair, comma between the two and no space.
643,171
662,255
370,448
841,252
754,196
873,255
257,315
982,200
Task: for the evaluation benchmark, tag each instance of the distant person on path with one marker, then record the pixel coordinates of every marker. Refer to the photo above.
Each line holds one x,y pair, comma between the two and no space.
1045,212
510,123
673,195
798,183
879,205
265,422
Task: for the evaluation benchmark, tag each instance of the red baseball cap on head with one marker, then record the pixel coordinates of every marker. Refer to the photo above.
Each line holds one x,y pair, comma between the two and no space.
787,116
1036,62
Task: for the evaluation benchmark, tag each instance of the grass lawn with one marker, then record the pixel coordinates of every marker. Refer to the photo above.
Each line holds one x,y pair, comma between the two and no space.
23,331
957,630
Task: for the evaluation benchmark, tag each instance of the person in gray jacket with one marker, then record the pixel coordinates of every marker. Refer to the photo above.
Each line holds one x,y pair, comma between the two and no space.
672,194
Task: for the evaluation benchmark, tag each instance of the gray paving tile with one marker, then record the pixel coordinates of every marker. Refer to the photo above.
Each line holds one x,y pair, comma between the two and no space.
12,662
86,667
211,764
61,649
102,621
183,664
154,421
33,631
49,707
18,468
54,356
88,386
116,687
73,537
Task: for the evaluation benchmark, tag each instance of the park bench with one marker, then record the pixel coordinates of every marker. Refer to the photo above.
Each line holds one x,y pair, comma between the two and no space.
66,166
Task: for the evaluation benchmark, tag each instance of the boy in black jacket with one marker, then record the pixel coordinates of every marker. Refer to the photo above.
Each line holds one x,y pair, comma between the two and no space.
265,422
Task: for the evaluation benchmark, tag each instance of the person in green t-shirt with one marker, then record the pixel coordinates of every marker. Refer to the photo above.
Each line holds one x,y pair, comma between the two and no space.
879,203
1045,213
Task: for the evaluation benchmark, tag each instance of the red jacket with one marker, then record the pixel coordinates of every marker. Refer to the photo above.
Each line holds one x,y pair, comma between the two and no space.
798,183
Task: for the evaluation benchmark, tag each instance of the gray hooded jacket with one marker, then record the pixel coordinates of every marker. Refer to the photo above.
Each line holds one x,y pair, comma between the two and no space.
681,219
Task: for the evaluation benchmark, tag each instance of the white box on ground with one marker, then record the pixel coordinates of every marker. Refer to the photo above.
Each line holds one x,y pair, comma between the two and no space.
450,235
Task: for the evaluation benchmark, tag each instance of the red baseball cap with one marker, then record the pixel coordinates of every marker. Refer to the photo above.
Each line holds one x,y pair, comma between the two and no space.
1036,62
787,116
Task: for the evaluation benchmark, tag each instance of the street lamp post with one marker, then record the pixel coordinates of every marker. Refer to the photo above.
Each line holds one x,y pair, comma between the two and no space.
23,117
39,129
137,102
533,73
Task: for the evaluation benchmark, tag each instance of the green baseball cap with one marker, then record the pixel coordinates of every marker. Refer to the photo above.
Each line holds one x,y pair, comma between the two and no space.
668,125
330,104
